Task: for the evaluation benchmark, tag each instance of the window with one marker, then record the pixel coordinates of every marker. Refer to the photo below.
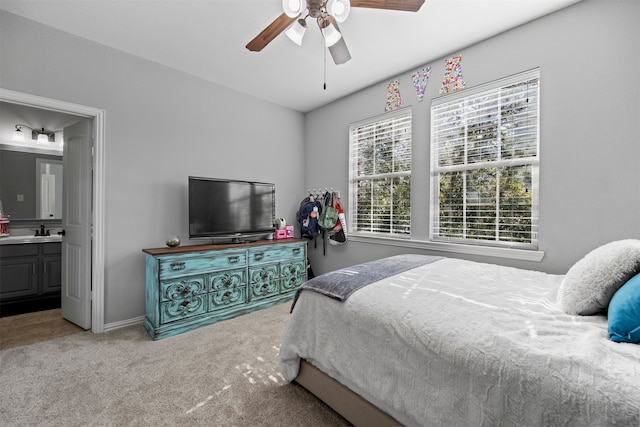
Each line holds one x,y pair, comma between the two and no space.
380,175
484,168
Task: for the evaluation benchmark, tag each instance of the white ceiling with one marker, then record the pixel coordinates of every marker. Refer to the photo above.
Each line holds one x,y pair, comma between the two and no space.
207,38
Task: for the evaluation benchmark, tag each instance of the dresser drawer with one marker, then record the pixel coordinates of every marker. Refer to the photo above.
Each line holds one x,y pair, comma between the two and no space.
178,266
183,287
271,254
229,279
292,275
263,281
183,308
227,297
228,288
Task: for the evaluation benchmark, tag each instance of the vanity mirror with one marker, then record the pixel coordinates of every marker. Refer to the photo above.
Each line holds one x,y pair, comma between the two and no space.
31,184
26,166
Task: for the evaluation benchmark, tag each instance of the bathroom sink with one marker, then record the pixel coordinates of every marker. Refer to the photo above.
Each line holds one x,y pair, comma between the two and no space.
17,240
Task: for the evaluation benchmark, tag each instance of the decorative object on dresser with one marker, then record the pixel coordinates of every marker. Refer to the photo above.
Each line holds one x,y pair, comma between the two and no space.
173,242
192,286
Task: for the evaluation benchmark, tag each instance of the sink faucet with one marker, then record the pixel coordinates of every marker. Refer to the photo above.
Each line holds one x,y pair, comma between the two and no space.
42,231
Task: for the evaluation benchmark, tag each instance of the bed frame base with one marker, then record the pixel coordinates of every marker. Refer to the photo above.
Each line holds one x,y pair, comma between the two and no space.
347,403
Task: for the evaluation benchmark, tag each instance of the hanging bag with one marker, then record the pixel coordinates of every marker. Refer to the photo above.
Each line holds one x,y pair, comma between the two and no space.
338,236
308,217
329,215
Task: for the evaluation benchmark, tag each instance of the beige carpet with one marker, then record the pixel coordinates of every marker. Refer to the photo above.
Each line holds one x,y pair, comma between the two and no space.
225,374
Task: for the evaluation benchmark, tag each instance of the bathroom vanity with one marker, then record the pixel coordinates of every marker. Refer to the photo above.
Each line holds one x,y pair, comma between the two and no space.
30,274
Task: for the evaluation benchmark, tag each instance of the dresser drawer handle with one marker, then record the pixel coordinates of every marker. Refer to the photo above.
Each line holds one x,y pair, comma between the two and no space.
177,266
259,256
234,259
296,250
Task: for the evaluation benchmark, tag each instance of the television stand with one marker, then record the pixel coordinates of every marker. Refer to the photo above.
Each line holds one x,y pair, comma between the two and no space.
188,287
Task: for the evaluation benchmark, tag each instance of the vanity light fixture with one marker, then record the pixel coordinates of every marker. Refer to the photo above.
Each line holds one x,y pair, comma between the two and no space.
41,136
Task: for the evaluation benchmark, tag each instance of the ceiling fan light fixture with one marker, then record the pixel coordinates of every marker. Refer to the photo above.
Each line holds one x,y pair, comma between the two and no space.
331,35
296,31
339,9
293,8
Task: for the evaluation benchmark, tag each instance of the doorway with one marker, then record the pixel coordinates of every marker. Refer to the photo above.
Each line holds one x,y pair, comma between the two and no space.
97,116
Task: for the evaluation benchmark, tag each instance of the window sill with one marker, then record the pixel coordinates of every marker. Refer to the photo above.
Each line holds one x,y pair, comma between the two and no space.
517,254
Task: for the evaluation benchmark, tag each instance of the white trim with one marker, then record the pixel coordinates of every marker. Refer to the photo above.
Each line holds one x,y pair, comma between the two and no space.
97,245
388,115
531,74
124,323
488,89
401,118
497,252
26,149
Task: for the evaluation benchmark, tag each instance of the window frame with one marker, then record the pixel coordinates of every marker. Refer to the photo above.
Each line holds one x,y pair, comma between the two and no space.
354,229
534,161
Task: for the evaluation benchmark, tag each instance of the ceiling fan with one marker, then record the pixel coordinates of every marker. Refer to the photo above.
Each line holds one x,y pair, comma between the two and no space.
327,13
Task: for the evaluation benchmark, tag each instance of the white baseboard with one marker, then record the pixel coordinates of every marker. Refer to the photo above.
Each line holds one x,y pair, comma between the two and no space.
122,323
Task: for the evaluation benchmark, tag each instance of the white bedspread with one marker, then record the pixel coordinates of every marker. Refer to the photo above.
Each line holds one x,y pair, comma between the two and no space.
459,343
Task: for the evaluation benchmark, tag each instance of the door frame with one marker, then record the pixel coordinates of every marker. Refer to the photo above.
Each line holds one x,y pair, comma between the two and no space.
98,189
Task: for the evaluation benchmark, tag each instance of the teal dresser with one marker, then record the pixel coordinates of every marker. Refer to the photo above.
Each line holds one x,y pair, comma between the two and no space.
192,286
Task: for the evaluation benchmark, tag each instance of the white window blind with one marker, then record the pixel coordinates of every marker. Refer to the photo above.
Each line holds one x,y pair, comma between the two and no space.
485,159
380,175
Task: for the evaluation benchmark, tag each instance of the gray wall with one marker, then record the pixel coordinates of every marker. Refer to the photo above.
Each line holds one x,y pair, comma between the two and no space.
161,126
589,57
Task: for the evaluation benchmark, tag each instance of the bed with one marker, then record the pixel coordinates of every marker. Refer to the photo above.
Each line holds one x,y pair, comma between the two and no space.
444,342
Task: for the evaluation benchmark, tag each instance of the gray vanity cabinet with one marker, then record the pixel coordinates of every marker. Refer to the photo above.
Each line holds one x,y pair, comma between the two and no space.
30,277
51,268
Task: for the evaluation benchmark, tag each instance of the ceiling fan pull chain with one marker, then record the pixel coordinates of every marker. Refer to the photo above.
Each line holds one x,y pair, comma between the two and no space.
325,67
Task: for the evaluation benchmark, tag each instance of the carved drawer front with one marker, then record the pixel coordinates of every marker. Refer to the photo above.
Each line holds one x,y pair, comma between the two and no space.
180,288
227,289
292,275
295,251
273,254
175,266
183,308
263,281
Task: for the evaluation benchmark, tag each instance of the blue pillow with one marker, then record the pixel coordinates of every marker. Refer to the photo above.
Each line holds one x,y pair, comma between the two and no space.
624,312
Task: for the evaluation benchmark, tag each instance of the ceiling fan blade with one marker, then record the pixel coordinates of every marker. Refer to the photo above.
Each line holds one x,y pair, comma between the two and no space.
270,33
340,52
406,5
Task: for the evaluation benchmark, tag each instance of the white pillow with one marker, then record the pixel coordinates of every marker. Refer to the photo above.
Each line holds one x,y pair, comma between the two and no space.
590,283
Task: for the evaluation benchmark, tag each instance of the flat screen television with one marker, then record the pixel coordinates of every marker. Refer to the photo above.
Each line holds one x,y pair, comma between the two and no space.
230,209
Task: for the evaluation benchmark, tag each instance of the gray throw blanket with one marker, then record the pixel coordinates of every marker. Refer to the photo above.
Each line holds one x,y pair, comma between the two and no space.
341,283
